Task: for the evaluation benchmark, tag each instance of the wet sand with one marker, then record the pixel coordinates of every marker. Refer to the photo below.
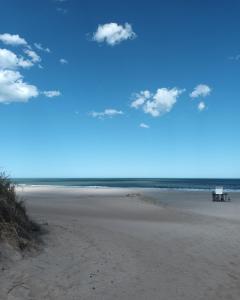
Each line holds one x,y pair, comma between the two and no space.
127,244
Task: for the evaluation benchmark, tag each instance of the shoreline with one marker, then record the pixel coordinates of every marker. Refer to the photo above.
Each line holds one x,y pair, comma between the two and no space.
127,187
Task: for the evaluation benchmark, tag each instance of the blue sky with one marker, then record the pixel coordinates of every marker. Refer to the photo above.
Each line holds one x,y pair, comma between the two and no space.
120,88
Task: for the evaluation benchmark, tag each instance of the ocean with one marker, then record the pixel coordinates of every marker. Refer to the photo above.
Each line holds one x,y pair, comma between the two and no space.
161,183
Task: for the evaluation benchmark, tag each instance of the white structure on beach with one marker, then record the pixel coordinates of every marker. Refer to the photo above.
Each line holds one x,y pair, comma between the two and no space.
219,195
219,190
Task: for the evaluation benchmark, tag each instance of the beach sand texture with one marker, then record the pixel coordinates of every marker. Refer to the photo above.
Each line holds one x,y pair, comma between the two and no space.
127,244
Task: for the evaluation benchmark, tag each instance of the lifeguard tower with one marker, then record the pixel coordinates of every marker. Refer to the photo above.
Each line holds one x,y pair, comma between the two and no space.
218,195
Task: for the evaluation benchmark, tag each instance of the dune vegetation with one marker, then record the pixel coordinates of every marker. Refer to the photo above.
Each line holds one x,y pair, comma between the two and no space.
16,228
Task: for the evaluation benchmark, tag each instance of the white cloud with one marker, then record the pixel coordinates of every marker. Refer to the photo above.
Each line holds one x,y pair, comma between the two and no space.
141,98
12,39
113,34
40,47
63,61
159,103
51,94
33,55
201,106
143,125
14,89
9,60
201,90
109,112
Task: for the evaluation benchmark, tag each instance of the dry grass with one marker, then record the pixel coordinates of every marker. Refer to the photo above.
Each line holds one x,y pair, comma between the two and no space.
16,227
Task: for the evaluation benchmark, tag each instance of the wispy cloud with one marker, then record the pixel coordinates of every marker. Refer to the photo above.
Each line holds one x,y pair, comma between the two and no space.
41,48
201,90
235,57
143,125
33,55
63,61
107,113
62,10
12,39
51,94
159,103
61,6
113,34
141,99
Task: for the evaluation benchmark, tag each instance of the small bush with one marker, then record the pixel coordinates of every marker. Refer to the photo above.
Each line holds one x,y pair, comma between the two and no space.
15,225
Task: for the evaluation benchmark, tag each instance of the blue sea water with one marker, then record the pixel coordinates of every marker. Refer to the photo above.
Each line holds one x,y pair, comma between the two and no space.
185,184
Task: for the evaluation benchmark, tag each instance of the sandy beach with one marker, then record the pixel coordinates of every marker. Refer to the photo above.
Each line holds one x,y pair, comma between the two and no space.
127,244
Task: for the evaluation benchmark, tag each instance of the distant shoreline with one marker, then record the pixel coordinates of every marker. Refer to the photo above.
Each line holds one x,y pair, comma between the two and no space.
179,189
229,185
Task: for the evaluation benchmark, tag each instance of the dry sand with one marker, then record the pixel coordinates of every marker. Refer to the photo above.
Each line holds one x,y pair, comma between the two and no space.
103,244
